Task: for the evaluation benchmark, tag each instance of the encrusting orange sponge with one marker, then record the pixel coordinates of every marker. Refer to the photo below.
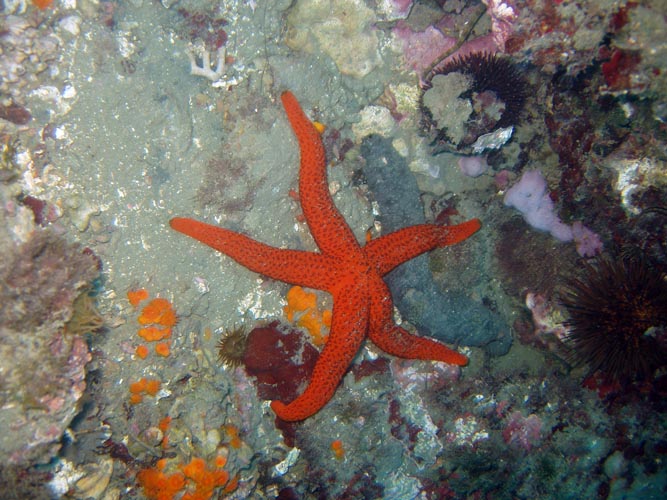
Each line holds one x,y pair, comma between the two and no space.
141,351
302,305
205,480
152,386
160,486
152,333
298,300
338,450
158,311
162,349
194,481
42,4
136,296
233,434
157,319
143,386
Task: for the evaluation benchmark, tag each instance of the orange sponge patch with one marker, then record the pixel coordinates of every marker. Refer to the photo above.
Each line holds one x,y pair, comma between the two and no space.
141,351
42,4
194,481
299,300
220,461
162,349
158,311
168,318
136,296
165,423
338,450
231,485
143,386
205,480
135,399
302,307
153,387
233,434
158,485
153,333
157,318
138,387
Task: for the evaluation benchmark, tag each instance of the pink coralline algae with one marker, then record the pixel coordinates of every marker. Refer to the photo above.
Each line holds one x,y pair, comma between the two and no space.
421,48
393,10
543,313
414,377
547,330
523,432
473,166
503,14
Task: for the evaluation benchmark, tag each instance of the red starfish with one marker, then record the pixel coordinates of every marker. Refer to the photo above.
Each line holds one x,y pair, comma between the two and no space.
351,273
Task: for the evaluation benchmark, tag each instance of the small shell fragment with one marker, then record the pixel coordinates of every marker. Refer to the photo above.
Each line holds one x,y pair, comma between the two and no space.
96,479
291,458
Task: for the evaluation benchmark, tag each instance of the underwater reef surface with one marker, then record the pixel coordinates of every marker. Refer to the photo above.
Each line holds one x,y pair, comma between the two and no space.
115,116
44,312
452,317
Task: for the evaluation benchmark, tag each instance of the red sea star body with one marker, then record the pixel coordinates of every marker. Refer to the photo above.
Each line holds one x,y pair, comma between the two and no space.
350,273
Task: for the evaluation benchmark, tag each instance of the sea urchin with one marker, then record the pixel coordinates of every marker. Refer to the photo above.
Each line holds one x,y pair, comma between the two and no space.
470,96
618,316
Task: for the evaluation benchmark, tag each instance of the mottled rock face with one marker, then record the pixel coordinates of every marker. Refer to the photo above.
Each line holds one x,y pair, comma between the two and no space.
342,29
448,111
416,294
42,369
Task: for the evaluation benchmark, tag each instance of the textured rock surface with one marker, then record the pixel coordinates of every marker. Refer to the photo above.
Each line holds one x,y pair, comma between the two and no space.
448,316
42,369
342,29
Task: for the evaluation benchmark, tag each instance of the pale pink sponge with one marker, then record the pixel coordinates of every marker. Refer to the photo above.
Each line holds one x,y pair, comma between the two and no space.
473,166
531,197
588,243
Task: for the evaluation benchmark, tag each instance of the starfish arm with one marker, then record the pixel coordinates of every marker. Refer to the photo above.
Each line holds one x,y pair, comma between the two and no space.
348,329
390,250
399,342
328,227
297,267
